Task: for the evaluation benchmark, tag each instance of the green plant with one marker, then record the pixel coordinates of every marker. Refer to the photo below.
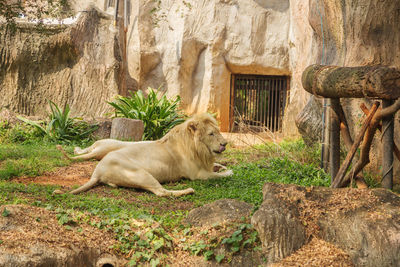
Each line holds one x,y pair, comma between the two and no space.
18,133
5,212
243,237
61,127
159,114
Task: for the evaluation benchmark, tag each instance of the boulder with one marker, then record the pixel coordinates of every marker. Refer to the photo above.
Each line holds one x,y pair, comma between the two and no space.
309,121
279,227
226,211
362,222
369,232
218,212
104,128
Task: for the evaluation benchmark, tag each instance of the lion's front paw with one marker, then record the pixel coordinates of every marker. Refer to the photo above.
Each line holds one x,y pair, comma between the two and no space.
228,173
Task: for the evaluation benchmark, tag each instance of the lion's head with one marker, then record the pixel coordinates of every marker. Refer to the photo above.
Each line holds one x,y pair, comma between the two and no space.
204,129
201,137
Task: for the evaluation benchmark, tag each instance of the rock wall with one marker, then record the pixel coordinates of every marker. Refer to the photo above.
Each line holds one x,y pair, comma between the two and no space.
192,47
78,64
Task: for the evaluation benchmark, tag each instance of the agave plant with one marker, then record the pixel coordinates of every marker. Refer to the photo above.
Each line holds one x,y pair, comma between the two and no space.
159,114
62,127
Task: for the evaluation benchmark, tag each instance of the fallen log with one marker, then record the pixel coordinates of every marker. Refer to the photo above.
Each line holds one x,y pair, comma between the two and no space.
352,82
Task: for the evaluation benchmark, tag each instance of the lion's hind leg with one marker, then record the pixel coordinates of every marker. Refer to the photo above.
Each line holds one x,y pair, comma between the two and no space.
144,180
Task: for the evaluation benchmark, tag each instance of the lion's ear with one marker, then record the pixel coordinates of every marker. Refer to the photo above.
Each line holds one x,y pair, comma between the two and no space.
192,126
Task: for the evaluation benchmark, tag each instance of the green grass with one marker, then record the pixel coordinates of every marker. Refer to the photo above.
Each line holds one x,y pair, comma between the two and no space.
248,179
28,159
288,162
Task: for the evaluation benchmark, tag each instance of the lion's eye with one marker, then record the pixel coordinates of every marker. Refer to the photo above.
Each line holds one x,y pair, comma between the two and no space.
211,134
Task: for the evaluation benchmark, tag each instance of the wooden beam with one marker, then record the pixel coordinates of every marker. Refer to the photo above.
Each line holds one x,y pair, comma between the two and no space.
367,81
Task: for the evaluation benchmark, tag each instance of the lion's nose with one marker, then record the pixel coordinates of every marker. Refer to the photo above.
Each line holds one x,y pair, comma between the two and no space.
224,143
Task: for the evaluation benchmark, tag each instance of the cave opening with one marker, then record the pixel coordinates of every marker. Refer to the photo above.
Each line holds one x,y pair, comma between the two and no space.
257,102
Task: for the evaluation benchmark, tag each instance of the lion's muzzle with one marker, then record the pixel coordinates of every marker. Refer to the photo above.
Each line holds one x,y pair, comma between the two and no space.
221,148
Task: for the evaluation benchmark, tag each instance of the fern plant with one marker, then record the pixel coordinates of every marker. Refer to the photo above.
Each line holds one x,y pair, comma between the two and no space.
63,128
159,114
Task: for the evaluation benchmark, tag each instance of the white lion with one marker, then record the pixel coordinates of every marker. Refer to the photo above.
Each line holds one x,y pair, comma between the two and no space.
188,150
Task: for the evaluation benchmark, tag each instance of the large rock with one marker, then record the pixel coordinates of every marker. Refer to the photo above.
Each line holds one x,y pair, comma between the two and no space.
364,223
218,212
222,212
309,121
279,227
369,232
104,128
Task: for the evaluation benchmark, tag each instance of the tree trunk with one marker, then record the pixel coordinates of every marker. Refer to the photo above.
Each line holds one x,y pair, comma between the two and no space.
127,129
352,82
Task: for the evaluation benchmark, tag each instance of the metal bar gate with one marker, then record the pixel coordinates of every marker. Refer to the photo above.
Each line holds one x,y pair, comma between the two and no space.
258,101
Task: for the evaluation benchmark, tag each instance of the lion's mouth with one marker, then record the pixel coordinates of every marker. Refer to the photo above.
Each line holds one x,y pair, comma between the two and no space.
221,149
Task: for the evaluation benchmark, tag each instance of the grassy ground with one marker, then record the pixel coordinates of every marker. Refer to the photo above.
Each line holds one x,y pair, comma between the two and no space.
28,159
113,209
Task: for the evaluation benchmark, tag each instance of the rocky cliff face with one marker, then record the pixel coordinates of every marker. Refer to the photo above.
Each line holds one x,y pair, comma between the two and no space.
78,64
191,48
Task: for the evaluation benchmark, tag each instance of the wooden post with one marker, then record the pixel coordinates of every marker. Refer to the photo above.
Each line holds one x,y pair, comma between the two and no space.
126,129
334,154
344,129
346,163
325,136
387,147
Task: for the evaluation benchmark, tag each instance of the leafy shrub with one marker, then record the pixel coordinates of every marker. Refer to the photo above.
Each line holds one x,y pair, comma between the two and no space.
61,127
18,133
158,114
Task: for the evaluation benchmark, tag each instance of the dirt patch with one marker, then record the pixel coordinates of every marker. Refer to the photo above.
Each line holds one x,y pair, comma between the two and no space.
317,253
77,173
328,202
24,226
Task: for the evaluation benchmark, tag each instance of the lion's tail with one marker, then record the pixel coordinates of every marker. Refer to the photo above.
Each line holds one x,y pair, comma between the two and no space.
92,182
59,147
